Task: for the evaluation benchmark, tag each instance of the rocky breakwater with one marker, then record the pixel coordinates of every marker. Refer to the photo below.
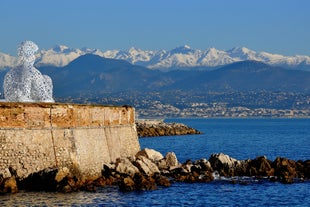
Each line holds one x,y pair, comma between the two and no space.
152,128
150,170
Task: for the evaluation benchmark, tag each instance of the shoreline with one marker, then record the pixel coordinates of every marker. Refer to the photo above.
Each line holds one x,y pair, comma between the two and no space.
224,117
150,170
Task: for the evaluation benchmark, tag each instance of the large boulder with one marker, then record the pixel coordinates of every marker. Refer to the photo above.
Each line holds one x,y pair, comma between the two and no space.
125,166
224,164
171,160
260,166
285,169
146,166
151,154
204,165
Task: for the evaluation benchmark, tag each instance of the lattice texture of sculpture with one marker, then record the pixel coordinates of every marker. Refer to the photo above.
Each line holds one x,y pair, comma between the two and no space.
25,83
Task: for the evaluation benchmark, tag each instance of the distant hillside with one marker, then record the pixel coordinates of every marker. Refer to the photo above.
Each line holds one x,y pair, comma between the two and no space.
245,76
92,74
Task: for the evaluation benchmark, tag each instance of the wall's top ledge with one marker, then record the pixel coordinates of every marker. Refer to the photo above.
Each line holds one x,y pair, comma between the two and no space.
62,115
48,104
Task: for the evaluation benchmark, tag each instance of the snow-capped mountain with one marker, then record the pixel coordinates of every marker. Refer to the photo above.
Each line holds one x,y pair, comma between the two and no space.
59,56
7,60
180,57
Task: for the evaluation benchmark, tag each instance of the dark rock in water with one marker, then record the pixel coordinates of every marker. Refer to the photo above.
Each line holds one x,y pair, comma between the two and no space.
152,128
224,164
306,165
8,185
143,182
260,166
54,179
161,180
285,169
281,169
127,184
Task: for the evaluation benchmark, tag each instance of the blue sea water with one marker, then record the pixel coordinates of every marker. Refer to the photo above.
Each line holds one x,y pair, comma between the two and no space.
239,138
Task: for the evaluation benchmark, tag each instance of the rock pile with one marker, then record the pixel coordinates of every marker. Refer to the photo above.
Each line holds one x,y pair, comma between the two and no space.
281,169
160,128
149,170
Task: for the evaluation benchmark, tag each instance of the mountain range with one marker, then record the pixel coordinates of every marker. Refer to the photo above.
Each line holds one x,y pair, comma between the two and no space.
92,76
182,57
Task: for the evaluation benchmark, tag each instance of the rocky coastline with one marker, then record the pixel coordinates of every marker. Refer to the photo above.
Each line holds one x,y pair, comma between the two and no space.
150,170
153,128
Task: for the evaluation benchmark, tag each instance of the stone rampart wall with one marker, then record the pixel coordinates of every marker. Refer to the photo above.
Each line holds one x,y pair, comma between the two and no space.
35,136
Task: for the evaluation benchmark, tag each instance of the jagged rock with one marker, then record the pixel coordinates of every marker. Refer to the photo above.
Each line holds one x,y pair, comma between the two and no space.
220,159
187,166
151,154
285,169
8,185
144,182
223,164
204,165
241,168
127,184
146,166
125,166
162,165
108,170
137,182
55,179
161,180
199,171
260,166
6,173
171,160
151,128
61,174
306,165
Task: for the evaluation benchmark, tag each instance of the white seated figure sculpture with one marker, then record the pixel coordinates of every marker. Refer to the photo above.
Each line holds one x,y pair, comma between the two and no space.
25,83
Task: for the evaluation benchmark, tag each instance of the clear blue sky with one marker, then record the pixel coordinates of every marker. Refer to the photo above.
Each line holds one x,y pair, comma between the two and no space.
277,26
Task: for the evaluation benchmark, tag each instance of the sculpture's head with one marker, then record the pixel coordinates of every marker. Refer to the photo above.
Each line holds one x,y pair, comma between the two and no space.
26,51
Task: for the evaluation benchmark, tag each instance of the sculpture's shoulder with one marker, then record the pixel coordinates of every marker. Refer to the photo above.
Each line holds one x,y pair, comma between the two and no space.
14,71
35,70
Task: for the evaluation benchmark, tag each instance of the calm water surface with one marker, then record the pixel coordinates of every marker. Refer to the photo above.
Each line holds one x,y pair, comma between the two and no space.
239,138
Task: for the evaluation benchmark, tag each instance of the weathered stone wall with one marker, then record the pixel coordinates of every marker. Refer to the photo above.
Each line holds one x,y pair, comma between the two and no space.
35,136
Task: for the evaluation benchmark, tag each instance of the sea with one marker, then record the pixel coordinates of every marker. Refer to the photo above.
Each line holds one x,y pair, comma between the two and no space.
239,138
